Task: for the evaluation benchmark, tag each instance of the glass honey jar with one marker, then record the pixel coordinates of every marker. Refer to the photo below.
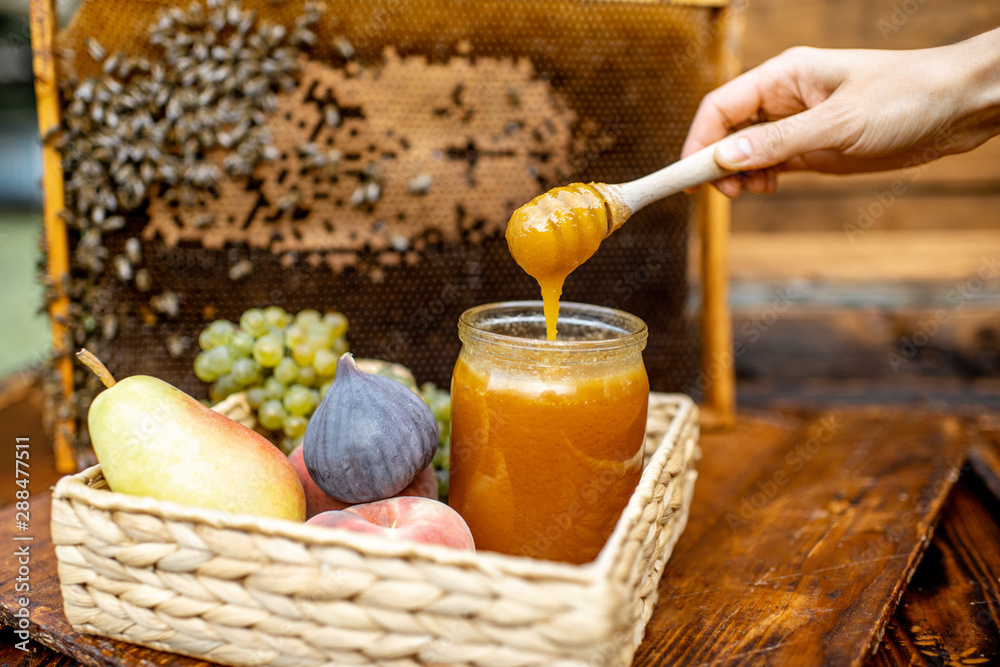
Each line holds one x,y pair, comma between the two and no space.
547,436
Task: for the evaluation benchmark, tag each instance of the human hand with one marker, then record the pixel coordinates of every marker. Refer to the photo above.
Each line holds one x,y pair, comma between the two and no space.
845,111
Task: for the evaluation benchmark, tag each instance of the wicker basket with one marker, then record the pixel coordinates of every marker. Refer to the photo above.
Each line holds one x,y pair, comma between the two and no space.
240,590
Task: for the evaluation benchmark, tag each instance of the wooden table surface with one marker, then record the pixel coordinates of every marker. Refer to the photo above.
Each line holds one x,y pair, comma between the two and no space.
811,541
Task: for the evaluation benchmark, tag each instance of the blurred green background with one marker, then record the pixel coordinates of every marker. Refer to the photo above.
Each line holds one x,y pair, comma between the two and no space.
24,335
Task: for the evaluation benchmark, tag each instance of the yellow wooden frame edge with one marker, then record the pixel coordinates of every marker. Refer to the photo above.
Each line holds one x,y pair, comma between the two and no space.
43,31
717,367
693,3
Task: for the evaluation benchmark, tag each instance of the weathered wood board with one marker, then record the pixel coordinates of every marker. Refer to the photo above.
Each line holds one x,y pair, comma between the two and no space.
804,538
36,655
984,456
950,614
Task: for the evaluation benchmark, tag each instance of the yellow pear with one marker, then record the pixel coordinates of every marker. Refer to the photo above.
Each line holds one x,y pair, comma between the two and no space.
154,440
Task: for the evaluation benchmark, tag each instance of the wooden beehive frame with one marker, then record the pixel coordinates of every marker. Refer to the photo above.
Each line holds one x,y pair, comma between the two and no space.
717,368
717,362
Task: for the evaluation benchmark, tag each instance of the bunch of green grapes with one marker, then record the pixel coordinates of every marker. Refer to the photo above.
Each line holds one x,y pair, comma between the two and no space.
439,401
284,363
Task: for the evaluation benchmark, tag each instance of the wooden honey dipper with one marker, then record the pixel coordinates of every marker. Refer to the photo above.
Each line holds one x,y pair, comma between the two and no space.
559,230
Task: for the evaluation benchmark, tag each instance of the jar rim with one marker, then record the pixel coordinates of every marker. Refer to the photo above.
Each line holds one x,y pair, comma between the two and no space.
625,330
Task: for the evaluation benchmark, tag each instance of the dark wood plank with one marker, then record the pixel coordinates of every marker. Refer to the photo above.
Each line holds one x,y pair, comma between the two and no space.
21,410
857,257
21,417
967,207
36,655
803,562
985,460
804,342
984,456
950,614
754,438
959,396
898,647
47,623
775,25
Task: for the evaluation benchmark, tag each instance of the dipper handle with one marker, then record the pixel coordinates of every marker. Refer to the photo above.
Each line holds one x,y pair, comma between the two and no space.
693,170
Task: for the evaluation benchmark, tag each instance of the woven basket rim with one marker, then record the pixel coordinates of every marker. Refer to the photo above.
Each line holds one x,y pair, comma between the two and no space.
595,573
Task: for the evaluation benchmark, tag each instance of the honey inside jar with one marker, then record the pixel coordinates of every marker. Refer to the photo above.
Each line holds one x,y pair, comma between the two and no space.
556,232
546,438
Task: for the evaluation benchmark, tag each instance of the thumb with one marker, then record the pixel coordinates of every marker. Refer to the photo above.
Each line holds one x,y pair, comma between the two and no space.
769,144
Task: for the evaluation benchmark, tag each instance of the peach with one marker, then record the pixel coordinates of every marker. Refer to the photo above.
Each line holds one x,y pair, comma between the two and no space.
411,518
425,485
317,501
